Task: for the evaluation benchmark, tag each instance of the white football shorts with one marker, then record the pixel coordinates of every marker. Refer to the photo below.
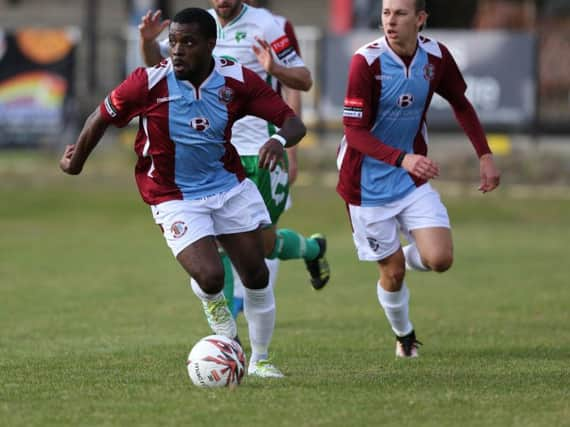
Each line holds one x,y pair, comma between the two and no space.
376,229
238,210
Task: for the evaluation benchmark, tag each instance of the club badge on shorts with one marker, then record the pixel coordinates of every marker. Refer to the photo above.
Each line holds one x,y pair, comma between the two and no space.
178,229
374,244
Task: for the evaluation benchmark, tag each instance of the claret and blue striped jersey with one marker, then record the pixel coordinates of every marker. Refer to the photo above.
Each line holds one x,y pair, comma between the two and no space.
183,139
385,115
235,41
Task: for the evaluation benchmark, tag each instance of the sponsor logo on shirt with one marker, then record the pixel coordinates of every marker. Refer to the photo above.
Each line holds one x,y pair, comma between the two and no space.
110,107
282,47
167,98
353,108
200,124
225,95
406,100
178,229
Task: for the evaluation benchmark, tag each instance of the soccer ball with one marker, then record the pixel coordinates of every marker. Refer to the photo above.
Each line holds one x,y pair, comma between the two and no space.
216,361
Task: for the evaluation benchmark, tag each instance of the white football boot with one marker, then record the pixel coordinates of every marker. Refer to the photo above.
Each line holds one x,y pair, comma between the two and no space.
264,369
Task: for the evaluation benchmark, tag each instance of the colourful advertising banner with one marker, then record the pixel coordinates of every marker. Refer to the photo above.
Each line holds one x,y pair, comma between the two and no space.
36,91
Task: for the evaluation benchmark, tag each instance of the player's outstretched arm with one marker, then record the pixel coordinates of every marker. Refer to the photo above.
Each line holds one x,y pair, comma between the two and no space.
294,77
271,153
75,155
150,28
490,175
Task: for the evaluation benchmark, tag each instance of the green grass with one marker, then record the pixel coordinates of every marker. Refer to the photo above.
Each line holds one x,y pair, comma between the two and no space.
96,319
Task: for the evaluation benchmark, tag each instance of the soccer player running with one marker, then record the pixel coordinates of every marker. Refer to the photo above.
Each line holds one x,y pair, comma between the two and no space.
383,163
293,99
251,37
292,96
188,171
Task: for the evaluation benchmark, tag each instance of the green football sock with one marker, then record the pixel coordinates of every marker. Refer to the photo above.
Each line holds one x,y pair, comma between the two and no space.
292,245
228,279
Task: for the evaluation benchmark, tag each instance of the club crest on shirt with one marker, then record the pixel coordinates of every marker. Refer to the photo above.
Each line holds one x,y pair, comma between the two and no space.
225,95
429,72
178,229
240,35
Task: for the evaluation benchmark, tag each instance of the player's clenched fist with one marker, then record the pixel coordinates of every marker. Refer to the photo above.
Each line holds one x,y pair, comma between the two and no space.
270,154
65,161
421,166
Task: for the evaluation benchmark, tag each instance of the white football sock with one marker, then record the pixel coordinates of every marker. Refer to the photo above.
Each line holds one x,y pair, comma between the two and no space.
396,308
259,310
413,258
203,295
273,267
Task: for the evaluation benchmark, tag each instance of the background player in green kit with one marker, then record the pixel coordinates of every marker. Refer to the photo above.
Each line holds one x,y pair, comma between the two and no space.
293,98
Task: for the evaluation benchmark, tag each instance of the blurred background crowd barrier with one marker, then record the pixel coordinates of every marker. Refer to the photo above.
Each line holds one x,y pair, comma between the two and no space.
498,67
58,59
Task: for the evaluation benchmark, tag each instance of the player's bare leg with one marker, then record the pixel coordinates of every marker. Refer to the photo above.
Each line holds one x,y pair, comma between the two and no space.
435,247
431,250
269,239
201,261
247,255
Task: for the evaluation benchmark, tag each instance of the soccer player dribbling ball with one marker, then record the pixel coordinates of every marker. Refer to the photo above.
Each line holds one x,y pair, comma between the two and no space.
384,170
252,37
187,170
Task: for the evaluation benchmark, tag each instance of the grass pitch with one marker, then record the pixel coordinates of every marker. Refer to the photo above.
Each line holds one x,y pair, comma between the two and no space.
97,318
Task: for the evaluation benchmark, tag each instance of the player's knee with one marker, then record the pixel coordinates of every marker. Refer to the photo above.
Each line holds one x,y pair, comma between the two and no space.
440,262
257,278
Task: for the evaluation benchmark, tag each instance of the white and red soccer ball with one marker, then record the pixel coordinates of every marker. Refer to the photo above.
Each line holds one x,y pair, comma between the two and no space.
216,361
